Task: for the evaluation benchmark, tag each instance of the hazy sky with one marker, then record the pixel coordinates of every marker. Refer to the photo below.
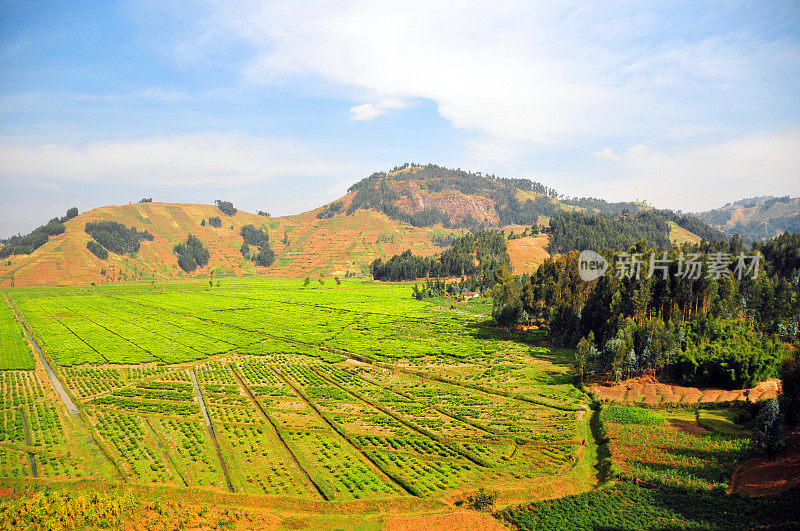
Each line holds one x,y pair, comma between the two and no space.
281,106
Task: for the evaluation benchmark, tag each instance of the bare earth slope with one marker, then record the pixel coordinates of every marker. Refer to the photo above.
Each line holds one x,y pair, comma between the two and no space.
316,246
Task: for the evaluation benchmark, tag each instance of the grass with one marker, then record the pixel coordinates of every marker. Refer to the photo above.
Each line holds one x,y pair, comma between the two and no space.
629,506
673,474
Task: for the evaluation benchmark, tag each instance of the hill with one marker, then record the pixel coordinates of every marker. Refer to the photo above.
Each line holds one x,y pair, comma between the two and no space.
412,207
756,218
331,246
427,195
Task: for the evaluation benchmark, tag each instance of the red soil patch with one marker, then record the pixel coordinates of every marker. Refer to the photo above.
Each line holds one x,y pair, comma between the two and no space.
649,390
527,253
462,520
688,426
764,477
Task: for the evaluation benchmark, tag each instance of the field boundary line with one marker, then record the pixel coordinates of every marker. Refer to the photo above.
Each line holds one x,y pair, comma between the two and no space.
474,459
434,406
313,406
210,428
164,451
304,474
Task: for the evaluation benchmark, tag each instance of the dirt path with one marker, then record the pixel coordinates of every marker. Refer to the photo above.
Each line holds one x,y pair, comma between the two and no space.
210,428
648,390
764,477
461,520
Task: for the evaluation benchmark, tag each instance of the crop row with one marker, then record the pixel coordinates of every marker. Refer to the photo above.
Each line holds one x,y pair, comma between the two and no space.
126,435
17,388
148,406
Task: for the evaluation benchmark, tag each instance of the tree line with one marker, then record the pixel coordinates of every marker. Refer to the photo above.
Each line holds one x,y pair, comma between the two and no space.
476,254
26,244
578,231
116,237
706,330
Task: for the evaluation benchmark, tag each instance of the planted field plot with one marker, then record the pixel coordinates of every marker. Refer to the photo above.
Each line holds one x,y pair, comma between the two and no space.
678,448
35,429
14,350
326,393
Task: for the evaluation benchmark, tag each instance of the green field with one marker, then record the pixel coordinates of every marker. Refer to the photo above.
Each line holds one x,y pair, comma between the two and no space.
341,402
671,469
320,393
14,350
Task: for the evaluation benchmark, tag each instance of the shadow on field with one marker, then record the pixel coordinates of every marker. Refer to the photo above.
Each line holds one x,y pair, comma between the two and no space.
536,341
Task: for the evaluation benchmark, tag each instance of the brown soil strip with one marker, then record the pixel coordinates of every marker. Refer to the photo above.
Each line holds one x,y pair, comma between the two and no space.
461,520
766,477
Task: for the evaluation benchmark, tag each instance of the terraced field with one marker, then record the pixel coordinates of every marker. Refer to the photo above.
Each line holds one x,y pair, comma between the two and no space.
322,394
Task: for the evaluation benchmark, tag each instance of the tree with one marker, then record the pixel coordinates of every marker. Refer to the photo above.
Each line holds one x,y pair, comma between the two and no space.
306,282
338,282
768,433
583,353
191,254
226,207
790,387
71,213
98,250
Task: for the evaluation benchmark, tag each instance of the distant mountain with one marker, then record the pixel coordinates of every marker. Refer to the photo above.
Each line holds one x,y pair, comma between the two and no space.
427,195
412,207
756,218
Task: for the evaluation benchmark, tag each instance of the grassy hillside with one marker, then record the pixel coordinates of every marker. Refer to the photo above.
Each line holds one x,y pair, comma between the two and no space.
315,246
757,218
409,208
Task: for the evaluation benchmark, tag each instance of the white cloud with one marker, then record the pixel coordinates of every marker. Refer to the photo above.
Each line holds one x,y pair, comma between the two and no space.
188,160
535,72
368,111
708,176
607,154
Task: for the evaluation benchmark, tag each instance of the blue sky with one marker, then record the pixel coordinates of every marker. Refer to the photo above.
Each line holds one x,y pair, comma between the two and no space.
281,106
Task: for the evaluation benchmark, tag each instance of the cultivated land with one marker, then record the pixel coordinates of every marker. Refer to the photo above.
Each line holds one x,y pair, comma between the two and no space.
352,406
355,399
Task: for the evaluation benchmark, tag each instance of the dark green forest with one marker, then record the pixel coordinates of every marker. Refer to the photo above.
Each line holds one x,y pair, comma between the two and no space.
577,231
476,255
96,249
226,207
258,238
26,244
116,237
710,329
191,254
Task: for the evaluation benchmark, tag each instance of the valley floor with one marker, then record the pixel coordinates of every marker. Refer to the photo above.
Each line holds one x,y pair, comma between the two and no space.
279,405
